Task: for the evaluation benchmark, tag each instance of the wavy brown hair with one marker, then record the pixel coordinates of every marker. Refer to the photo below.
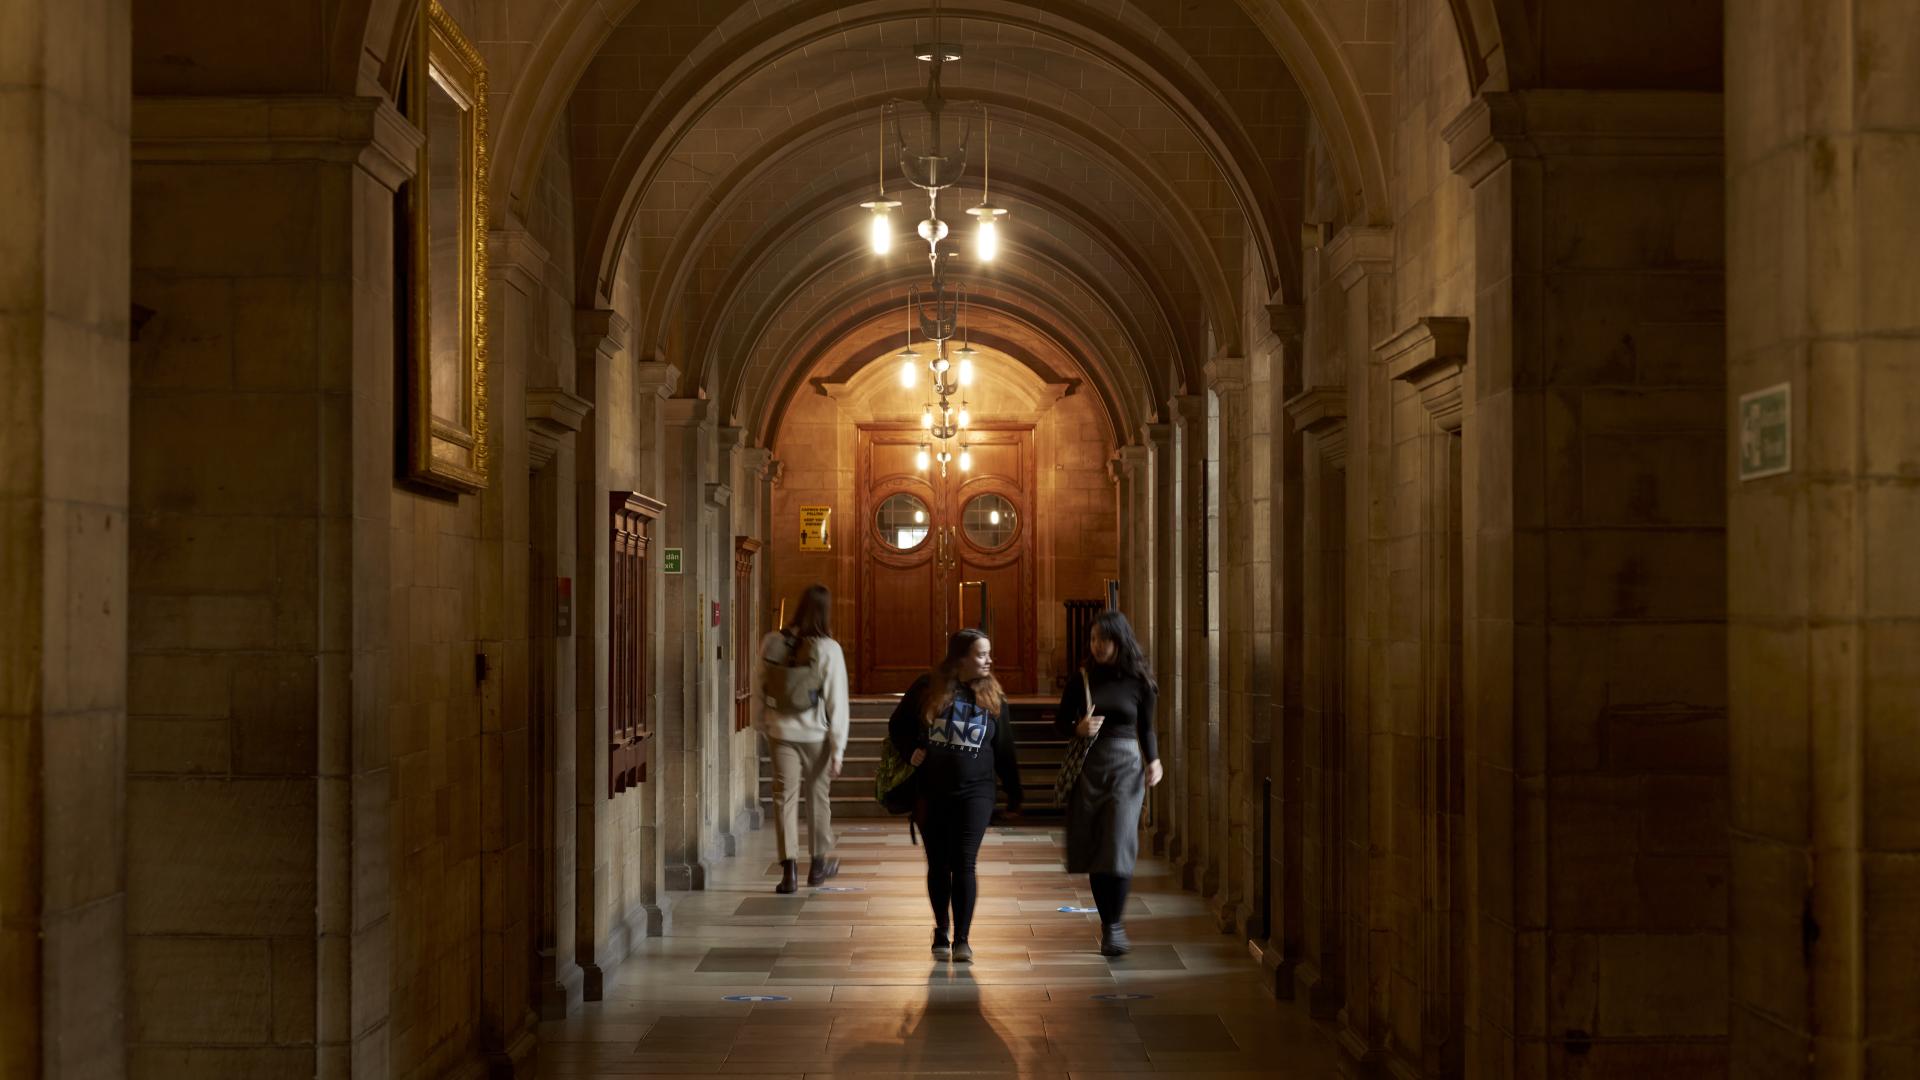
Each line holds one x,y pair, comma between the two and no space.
987,692
813,617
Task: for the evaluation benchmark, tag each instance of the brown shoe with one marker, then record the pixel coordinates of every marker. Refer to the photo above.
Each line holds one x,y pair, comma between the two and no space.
789,876
822,869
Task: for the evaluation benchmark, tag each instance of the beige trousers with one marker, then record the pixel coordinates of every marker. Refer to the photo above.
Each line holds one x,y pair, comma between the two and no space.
801,766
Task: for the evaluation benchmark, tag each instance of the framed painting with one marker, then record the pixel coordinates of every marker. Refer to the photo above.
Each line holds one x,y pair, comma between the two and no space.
446,384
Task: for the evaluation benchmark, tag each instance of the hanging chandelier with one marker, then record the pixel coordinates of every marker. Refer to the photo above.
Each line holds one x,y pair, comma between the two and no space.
937,309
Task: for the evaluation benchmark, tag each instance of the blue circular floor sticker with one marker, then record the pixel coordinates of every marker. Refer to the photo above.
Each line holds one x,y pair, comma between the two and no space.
838,888
1071,910
1121,997
755,998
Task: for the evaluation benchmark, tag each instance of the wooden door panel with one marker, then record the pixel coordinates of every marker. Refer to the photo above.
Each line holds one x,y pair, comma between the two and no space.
909,601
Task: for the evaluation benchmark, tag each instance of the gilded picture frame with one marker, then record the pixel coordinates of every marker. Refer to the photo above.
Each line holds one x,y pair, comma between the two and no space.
446,387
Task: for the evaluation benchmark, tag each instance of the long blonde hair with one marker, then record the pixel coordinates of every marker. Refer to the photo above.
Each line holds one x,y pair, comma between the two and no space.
987,692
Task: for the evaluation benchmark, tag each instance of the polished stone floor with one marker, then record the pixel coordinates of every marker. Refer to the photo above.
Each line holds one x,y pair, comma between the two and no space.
841,982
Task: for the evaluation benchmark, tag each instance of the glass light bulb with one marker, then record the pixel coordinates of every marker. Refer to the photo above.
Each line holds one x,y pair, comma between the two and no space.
965,419
966,460
880,232
993,517
940,365
920,460
906,374
986,240
926,417
966,371
920,517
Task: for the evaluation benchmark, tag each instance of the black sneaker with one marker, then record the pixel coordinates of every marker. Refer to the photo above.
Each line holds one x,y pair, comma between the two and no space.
1113,940
962,953
941,950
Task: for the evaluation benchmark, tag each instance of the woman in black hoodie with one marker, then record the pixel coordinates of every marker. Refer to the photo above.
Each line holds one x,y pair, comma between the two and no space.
947,725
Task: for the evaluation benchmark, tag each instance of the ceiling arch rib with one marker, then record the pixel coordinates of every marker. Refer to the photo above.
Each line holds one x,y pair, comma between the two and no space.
842,281
1013,323
672,108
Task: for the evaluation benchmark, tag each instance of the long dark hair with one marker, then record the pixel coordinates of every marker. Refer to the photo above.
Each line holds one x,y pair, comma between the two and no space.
1128,658
943,683
814,616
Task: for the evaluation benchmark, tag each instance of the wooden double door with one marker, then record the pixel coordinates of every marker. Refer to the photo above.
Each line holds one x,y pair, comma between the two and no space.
938,553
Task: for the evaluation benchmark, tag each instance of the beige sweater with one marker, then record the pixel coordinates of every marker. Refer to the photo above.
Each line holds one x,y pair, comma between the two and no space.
828,717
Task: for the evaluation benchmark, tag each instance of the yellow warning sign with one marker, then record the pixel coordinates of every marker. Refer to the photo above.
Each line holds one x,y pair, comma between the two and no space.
813,528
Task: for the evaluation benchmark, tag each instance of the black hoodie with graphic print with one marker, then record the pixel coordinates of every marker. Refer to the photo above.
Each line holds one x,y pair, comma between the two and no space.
959,761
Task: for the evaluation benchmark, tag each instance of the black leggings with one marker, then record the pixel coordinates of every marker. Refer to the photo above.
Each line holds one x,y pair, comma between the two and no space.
1110,896
952,830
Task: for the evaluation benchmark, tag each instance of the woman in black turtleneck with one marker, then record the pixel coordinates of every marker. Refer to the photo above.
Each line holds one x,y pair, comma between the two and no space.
1103,812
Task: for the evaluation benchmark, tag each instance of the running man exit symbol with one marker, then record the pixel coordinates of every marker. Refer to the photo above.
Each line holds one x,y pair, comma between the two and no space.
1766,432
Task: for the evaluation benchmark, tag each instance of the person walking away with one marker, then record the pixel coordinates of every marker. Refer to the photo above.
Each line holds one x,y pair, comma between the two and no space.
803,714
953,726
1103,810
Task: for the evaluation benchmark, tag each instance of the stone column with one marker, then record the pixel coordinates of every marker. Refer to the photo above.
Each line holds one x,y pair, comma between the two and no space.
262,488
1594,581
1823,124
716,707
654,384
1359,261
1158,439
1191,689
599,341
756,472
63,531
684,733
1230,741
1280,743
554,417
1135,507
503,634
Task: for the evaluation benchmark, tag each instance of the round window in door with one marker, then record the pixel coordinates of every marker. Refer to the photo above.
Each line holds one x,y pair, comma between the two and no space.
990,521
902,519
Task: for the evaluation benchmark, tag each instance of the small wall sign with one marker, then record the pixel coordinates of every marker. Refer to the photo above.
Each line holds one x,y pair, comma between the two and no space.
813,528
1766,432
670,560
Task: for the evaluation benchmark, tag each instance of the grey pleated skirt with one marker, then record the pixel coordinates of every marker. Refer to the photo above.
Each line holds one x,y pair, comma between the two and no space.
1103,813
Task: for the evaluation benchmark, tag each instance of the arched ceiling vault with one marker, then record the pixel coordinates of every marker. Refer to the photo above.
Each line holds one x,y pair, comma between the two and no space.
1139,221
1159,142
1083,47
1164,312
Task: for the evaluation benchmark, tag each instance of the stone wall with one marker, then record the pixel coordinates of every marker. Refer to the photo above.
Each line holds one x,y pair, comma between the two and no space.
1823,158
64,104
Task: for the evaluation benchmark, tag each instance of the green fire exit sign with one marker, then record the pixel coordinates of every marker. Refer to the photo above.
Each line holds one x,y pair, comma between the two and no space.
1766,432
670,560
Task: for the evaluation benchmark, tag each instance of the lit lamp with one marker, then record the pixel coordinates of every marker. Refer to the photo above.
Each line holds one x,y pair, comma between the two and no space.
986,235
880,228
921,460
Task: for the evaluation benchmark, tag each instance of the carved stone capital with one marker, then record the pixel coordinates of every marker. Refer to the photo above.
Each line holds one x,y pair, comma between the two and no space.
719,495
599,330
365,131
516,258
756,461
1157,436
1226,374
657,379
1287,321
1188,411
1128,463
552,414
1321,411
1359,251
1431,355
1502,126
